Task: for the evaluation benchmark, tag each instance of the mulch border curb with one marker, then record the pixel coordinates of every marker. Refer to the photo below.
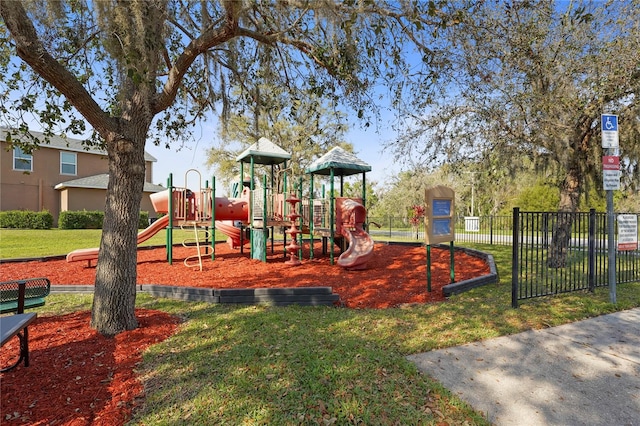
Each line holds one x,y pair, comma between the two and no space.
304,296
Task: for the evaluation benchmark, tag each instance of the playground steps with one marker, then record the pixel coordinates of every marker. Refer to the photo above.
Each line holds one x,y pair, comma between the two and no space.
304,296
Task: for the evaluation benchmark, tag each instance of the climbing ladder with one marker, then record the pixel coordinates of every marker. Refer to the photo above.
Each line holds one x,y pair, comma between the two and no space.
195,210
199,247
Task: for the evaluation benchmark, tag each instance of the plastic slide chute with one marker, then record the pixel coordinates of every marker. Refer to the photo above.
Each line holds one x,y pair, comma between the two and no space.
89,254
360,249
233,232
227,210
153,229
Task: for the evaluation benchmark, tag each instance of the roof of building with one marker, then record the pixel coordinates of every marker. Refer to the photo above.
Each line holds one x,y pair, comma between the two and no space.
100,182
64,143
342,162
264,152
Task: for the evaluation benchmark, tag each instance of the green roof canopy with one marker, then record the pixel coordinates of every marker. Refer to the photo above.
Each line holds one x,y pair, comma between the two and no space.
264,152
342,162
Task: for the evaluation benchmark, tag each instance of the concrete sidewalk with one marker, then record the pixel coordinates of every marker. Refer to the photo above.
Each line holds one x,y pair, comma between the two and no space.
584,373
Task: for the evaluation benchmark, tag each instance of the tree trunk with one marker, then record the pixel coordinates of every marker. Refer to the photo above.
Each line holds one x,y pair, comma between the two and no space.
561,235
114,299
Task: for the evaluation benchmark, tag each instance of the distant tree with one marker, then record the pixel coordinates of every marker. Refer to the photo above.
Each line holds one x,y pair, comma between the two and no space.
406,190
149,70
538,197
305,128
352,188
531,79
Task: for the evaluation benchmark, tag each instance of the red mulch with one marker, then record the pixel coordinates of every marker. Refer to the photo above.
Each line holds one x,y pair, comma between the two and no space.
78,377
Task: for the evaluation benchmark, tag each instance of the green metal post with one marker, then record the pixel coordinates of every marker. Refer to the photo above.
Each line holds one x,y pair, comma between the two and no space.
429,268
213,216
364,189
311,217
324,197
271,206
251,207
206,230
241,176
364,200
285,210
452,262
331,217
264,218
170,225
300,219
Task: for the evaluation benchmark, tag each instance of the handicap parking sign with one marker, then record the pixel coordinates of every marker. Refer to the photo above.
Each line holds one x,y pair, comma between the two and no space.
609,127
609,123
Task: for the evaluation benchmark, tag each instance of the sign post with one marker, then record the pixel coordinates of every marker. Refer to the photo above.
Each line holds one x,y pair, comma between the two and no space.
439,223
610,142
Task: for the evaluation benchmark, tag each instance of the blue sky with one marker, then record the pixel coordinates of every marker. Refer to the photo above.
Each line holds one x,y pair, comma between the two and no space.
367,143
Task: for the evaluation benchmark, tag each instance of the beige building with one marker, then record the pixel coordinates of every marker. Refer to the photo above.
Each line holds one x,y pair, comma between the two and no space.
60,176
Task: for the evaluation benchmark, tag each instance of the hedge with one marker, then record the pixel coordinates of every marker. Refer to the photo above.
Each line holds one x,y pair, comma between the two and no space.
91,219
26,219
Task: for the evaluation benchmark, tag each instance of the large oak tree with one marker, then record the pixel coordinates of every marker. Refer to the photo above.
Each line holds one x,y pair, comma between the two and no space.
138,71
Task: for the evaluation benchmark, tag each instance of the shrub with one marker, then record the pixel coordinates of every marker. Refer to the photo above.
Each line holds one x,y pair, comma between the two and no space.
91,220
143,222
80,219
26,219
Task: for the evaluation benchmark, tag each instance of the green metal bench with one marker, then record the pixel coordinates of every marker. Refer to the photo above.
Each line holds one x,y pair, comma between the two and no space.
15,296
35,291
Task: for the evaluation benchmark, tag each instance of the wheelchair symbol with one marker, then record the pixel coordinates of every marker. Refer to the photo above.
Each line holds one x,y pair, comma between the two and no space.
608,125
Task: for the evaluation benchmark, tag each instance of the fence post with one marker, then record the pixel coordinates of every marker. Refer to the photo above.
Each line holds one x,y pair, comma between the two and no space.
514,257
491,229
592,250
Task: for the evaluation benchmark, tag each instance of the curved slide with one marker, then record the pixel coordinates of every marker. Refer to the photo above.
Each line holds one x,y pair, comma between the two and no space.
228,228
360,247
92,253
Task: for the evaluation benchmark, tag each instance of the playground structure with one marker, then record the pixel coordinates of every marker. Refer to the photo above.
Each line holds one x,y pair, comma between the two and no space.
256,210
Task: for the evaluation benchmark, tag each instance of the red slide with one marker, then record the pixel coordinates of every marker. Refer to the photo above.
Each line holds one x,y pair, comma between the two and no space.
359,251
360,247
92,253
230,230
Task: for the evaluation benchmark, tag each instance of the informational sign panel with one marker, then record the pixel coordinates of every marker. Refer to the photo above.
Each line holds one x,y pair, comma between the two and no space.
609,127
611,173
472,224
439,215
627,232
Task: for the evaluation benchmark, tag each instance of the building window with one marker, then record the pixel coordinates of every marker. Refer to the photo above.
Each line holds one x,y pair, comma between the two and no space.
22,161
68,163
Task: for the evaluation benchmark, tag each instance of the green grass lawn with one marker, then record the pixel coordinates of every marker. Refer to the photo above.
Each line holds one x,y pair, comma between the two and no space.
21,243
261,365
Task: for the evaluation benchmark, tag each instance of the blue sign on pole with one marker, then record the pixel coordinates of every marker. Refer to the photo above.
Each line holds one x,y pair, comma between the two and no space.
609,123
609,127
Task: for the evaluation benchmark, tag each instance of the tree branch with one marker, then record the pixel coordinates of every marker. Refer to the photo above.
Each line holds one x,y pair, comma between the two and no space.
31,50
210,38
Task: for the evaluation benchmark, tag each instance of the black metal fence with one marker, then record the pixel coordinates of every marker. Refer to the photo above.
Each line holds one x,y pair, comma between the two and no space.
552,252
477,229
562,252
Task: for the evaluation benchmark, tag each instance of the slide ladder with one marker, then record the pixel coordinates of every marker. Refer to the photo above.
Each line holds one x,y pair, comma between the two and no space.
188,261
